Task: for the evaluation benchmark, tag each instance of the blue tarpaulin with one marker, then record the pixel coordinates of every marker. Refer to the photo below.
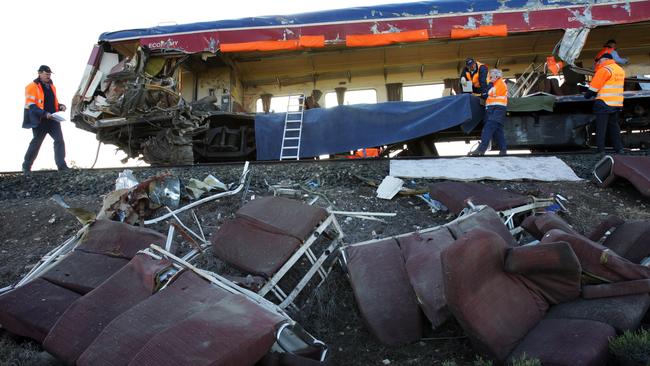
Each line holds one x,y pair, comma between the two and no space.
345,128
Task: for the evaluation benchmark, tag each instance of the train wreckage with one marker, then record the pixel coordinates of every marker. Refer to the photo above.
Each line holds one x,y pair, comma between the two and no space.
116,293
189,93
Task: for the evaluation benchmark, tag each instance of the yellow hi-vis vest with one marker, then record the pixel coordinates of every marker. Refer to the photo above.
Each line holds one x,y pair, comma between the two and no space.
608,82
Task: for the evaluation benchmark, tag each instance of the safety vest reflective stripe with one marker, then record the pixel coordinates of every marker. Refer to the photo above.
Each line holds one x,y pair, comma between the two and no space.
34,95
612,92
498,94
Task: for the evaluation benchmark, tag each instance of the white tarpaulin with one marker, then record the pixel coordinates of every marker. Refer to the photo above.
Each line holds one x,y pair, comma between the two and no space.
495,168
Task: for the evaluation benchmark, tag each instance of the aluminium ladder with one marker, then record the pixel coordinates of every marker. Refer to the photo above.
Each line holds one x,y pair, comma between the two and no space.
292,133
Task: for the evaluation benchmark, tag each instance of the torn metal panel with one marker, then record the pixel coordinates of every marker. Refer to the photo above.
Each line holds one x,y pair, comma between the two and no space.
635,169
573,41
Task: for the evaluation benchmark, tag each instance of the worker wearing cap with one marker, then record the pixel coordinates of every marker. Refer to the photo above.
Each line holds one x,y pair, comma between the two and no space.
495,115
40,103
477,74
610,48
607,87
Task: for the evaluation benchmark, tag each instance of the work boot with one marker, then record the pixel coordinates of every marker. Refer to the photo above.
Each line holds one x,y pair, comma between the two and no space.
476,153
503,153
26,173
64,168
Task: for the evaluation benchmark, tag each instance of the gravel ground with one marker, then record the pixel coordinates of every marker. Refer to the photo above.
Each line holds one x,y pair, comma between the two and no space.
33,224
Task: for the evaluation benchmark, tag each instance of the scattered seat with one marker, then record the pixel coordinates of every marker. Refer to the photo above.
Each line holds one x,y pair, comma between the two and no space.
82,272
383,293
455,194
621,312
391,276
189,317
635,169
267,238
538,225
118,239
421,253
503,317
31,310
86,318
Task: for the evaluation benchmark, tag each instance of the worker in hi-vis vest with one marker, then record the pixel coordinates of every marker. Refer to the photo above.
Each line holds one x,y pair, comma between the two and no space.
475,73
495,115
607,87
41,103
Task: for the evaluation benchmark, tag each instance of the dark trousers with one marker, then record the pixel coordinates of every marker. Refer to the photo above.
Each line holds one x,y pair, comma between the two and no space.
493,129
607,124
53,129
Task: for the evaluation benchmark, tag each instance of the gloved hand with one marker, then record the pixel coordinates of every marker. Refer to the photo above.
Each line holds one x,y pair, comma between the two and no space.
484,95
48,115
62,107
590,94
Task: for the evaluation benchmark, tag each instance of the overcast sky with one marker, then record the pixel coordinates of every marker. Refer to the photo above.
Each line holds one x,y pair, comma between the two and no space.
61,34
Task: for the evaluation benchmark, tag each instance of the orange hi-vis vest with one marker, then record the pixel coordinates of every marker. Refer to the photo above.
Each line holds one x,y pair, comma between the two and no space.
608,82
498,94
603,51
474,78
34,95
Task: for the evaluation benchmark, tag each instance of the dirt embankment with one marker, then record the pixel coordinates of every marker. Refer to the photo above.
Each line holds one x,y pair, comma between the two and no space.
32,224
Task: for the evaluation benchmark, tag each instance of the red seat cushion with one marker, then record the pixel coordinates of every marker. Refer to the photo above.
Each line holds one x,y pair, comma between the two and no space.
422,255
233,331
82,272
567,342
282,215
124,336
118,239
454,194
383,292
88,316
495,308
31,310
251,248
486,219
621,312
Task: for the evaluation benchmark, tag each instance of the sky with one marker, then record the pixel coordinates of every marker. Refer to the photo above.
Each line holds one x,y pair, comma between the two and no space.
61,34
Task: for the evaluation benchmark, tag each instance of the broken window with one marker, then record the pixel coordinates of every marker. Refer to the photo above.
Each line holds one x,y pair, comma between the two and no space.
365,96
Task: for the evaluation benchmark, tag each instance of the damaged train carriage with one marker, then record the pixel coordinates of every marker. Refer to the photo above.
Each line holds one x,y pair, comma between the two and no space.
189,93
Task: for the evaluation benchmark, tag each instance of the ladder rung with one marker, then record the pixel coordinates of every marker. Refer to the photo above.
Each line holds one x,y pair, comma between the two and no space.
289,147
290,157
292,138
292,129
293,120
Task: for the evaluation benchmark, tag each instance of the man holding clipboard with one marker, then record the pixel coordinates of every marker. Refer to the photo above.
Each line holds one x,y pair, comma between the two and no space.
41,105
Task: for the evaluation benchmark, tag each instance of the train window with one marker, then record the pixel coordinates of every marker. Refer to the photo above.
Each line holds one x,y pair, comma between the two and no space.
416,93
278,105
367,96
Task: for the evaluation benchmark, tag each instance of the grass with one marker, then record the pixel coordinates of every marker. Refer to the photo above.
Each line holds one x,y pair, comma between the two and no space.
23,353
631,346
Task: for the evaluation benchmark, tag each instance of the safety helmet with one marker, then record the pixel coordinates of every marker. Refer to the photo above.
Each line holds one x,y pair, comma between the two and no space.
469,61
